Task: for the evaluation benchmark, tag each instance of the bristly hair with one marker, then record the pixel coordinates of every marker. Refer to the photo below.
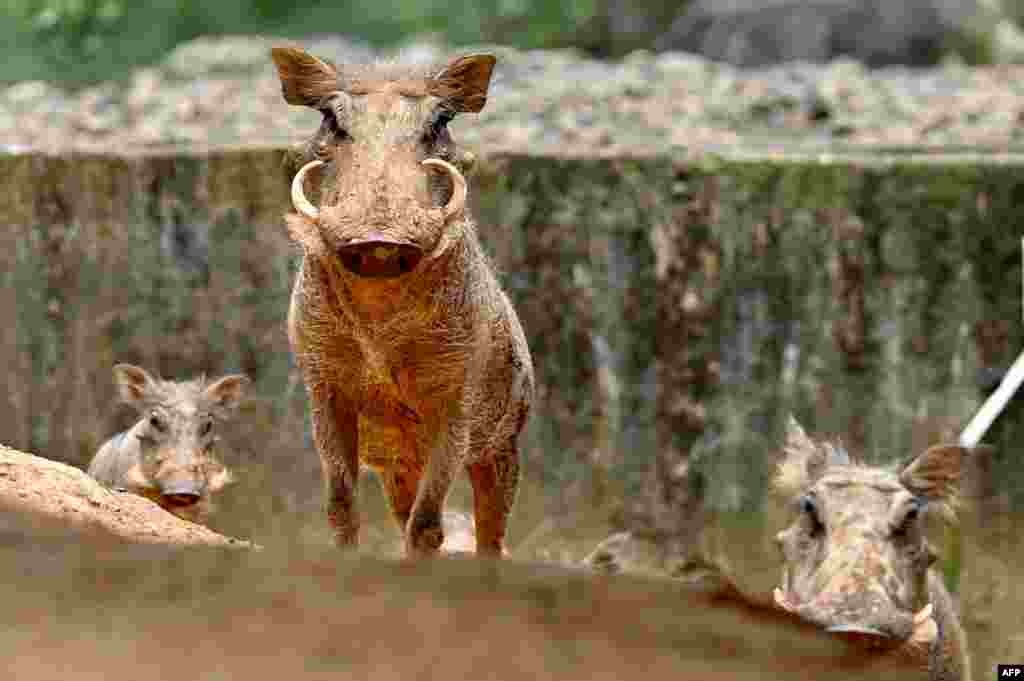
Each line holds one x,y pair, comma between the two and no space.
797,452
804,460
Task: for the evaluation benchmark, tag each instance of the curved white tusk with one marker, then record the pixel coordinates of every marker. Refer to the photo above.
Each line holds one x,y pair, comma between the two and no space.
926,629
781,600
299,200
457,203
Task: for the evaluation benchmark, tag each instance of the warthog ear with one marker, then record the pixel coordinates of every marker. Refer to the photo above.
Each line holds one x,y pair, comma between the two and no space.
227,392
935,474
305,79
463,83
803,461
134,384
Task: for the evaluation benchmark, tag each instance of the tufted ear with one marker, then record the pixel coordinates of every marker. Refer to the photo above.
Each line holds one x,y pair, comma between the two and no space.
134,384
227,391
463,83
804,460
305,79
935,475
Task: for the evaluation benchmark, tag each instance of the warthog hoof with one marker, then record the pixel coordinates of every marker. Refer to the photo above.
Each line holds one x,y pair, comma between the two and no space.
425,543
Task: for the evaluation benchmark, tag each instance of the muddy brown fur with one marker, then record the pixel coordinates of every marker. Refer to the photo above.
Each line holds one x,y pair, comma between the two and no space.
856,558
414,360
168,455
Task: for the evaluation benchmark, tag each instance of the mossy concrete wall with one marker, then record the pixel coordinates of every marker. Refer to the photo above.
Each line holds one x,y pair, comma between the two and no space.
677,309
878,300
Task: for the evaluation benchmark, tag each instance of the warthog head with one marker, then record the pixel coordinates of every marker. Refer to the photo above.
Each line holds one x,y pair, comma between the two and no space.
176,436
856,557
392,193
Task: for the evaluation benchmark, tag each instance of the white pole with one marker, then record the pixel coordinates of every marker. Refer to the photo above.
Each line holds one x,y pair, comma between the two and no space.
976,429
995,403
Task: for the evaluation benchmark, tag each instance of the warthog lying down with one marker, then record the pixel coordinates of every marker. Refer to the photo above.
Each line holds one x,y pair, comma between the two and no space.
856,559
167,456
414,360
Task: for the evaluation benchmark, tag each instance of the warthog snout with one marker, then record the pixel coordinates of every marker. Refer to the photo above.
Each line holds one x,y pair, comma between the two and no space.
868,636
379,256
181,494
181,500
396,246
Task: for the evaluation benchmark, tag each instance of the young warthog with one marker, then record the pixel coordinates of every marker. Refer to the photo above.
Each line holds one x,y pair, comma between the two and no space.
856,559
414,360
167,456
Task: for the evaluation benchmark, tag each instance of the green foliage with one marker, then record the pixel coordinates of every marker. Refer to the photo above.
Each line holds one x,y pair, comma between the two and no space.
82,41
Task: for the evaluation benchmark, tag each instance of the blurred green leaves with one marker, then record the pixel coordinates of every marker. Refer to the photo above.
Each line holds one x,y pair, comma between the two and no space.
77,42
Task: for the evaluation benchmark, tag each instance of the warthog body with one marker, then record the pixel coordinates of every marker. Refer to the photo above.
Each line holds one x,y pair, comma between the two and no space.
856,559
413,358
167,456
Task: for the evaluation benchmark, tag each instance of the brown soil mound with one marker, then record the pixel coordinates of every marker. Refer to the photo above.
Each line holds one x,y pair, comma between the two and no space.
50,496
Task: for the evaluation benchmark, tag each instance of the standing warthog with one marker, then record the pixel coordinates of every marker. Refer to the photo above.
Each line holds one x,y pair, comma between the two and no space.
414,360
167,456
856,559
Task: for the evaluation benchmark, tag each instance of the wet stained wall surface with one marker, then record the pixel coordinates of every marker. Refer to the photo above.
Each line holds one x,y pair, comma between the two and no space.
678,309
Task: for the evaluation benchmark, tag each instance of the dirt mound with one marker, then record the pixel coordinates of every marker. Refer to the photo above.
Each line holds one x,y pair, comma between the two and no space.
48,496
101,573
149,612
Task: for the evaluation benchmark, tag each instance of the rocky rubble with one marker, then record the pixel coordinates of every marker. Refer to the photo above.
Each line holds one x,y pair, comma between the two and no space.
224,92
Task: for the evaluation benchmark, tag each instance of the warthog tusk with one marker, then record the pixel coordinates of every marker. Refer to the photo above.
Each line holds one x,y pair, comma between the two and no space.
299,200
457,204
925,627
782,601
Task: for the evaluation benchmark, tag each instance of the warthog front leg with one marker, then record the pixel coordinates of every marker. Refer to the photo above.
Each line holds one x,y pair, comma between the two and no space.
424,534
400,484
494,483
336,433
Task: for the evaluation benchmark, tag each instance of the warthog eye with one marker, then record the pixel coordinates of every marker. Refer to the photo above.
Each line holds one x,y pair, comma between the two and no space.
204,429
809,507
157,423
332,124
912,513
436,125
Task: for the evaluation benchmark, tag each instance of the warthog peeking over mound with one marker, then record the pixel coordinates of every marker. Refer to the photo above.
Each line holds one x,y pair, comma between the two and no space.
856,559
167,456
414,360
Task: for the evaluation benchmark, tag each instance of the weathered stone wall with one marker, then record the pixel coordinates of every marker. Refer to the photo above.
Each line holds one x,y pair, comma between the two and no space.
677,308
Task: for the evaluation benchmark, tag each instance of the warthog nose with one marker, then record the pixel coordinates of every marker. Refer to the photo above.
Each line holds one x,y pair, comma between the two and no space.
181,494
182,499
864,635
379,258
856,629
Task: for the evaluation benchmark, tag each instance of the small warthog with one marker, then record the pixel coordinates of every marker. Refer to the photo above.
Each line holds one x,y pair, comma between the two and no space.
167,456
856,559
413,358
